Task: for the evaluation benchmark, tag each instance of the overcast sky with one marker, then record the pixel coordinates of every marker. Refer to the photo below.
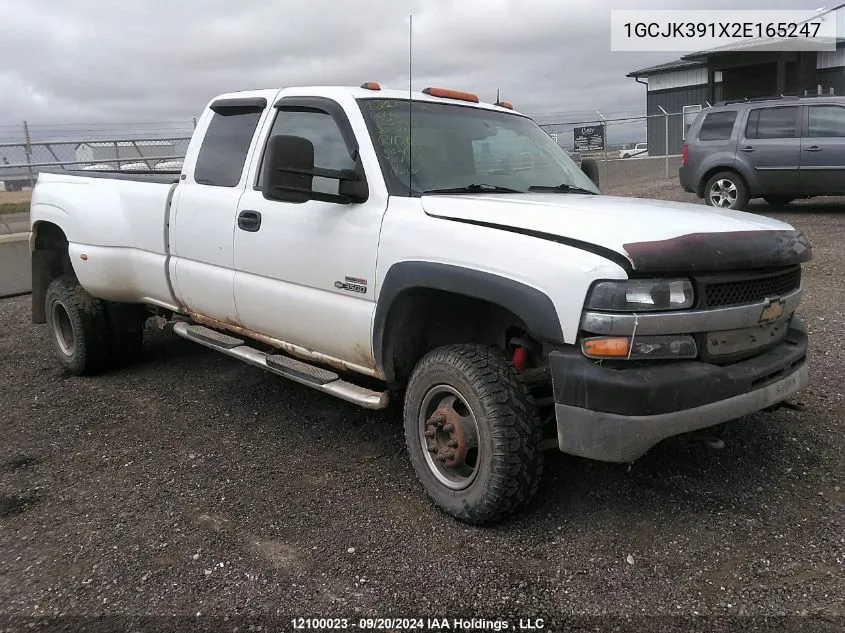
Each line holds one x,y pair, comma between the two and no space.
105,60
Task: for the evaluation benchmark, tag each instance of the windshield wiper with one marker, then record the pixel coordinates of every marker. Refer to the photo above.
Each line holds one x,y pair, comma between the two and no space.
561,189
475,188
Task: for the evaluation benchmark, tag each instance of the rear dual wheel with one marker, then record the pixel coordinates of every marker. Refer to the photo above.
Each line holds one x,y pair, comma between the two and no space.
472,434
89,334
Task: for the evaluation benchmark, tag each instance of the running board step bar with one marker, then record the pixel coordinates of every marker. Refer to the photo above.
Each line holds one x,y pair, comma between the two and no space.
290,366
212,338
304,373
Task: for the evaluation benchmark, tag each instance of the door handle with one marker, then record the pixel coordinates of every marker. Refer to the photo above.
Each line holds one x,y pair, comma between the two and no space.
249,221
813,148
747,149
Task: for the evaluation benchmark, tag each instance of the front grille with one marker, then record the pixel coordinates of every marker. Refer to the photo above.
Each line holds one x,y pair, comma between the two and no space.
749,289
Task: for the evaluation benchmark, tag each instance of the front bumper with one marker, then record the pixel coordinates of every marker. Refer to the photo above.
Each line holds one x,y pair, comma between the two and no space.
685,176
616,415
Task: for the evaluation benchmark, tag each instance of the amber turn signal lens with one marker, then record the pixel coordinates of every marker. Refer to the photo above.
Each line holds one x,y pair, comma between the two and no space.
611,347
451,94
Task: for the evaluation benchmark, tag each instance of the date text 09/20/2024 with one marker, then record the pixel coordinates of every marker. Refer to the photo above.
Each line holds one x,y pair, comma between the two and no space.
418,624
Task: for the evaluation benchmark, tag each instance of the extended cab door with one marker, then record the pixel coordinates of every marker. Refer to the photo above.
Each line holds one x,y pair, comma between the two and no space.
305,273
204,208
823,150
770,146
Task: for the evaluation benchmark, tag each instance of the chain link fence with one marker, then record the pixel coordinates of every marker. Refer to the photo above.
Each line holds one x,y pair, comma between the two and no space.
26,150
634,147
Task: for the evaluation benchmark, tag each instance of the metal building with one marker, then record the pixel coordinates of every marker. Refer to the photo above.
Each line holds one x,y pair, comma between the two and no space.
110,151
745,70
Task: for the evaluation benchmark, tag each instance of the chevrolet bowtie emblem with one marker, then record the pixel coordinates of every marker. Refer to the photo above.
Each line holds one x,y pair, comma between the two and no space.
772,310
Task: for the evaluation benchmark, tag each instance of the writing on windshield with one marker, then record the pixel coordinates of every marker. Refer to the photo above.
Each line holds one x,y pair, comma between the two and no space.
428,146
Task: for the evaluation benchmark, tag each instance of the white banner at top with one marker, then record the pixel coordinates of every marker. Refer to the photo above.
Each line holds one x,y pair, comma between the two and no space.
712,31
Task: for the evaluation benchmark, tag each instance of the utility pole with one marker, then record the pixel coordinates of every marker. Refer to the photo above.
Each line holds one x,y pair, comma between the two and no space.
604,143
666,141
28,150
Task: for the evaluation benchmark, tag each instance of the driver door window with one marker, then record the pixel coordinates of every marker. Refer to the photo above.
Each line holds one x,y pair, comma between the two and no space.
330,150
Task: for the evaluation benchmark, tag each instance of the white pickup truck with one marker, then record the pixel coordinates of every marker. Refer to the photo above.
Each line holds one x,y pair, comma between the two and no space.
376,245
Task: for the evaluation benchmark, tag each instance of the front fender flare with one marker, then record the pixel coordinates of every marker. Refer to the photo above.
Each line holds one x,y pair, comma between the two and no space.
531,305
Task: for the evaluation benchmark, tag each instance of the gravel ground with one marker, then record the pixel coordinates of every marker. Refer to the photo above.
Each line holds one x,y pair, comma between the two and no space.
193,485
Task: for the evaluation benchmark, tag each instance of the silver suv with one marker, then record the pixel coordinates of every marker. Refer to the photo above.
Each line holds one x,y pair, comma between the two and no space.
778,150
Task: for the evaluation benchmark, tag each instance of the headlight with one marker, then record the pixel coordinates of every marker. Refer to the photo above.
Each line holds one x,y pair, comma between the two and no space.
641,295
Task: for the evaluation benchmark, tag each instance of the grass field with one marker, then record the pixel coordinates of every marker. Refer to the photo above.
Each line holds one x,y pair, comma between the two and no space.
14,196
14,201
13,207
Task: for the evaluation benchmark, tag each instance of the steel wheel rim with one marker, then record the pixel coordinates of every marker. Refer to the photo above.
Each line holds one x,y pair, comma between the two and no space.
63,329
452,454
723,193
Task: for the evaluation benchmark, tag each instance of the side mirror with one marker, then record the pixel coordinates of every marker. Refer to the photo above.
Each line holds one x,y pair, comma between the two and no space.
591,168
289,172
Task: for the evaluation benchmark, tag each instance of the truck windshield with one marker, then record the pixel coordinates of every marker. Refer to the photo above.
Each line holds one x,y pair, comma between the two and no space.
460,149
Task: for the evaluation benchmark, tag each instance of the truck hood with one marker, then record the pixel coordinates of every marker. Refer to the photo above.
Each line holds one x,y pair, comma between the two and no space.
639,234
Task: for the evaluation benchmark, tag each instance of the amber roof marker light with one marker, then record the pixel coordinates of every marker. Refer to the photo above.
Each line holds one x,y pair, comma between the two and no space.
371,85
503,104
444,93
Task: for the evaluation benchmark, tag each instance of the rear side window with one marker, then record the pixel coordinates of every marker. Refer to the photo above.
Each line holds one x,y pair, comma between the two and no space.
717,126
826,121
224,148
771,123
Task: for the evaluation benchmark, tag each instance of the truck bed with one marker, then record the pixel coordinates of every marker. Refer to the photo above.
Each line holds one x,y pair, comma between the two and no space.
160,177
116,226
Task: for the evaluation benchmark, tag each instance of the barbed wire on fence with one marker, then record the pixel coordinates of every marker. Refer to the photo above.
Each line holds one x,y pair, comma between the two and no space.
52,132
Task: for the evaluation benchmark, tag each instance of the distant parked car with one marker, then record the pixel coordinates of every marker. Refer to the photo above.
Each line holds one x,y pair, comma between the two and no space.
98,167
640,149
169,165
778,150
139,166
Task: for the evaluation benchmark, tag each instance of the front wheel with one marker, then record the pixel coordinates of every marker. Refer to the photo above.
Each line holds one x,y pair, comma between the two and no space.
727,190
472,434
